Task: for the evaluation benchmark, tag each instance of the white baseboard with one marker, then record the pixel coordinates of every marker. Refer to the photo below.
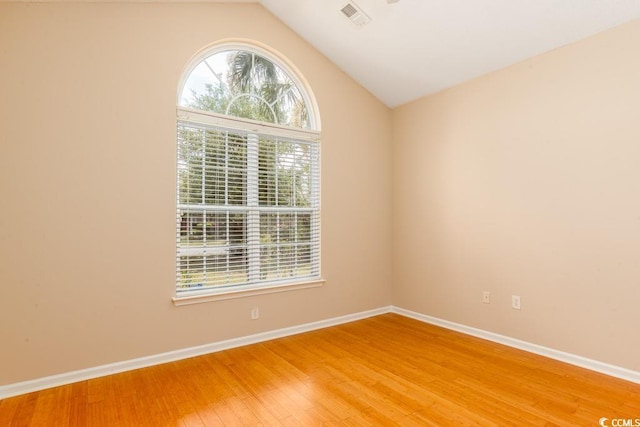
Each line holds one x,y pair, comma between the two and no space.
143,362
572,359
171,356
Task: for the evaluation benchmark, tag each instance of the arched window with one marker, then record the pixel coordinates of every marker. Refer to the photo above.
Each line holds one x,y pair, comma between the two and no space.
248,184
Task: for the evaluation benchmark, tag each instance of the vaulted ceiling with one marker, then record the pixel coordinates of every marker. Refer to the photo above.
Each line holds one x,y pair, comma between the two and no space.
414,48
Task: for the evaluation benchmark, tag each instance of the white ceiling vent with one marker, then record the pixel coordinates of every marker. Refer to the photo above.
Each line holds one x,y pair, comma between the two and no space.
355,14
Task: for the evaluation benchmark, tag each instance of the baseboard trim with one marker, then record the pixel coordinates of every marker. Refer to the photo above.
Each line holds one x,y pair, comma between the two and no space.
171,356
572,359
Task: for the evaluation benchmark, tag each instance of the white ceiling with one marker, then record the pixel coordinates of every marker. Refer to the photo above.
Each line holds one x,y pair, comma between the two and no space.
418,47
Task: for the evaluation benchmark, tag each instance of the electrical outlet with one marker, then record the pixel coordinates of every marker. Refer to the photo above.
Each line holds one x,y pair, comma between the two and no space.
255,313
515,302
486,297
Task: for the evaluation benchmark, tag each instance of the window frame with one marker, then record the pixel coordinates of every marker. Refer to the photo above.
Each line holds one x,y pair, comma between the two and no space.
255,128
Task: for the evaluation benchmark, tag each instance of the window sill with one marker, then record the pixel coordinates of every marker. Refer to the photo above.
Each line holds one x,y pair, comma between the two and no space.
245,291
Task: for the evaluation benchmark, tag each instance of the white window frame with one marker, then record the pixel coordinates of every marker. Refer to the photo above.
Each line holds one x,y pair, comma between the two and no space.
253,129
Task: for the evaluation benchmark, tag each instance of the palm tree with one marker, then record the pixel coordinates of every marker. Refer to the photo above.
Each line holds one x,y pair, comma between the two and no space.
253,87
273,93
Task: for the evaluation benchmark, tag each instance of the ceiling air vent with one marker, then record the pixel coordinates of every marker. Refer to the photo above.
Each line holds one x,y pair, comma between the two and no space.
355,14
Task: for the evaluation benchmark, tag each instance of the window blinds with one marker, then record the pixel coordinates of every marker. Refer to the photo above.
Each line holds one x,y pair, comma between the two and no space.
248,209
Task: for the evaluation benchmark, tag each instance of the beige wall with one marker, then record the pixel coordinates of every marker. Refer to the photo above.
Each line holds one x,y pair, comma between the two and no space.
527,181
524,181
87,172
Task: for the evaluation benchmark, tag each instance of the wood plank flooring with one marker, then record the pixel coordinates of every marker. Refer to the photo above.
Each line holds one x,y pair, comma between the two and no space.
386,370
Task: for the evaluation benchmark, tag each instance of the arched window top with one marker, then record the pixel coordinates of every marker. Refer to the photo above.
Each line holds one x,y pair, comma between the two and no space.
247,82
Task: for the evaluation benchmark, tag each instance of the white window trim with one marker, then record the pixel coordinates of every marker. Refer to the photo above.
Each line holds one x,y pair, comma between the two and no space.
309,134
242,291
216,119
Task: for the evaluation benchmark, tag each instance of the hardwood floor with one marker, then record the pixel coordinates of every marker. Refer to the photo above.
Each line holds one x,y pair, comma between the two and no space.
386,370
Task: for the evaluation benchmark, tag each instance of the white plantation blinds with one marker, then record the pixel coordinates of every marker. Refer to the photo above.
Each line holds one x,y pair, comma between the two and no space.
248,206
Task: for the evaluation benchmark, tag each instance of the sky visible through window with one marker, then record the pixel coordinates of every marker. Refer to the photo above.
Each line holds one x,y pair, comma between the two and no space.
203,74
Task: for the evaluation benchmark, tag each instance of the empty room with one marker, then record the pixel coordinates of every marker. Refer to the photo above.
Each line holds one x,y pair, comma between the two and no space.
320,212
